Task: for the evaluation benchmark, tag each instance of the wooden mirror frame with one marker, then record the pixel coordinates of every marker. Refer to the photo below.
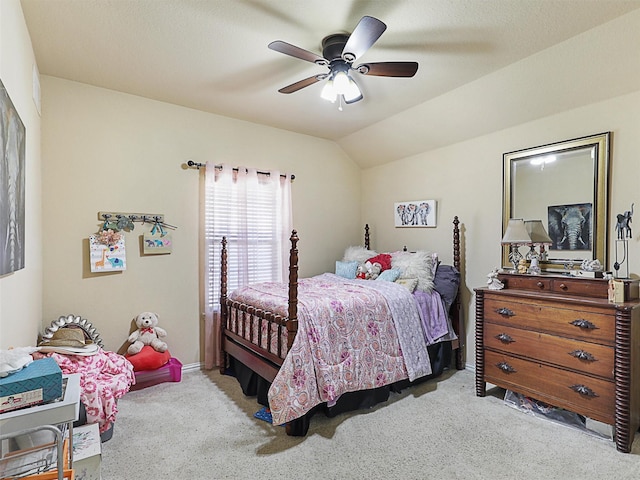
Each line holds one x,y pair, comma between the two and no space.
598,146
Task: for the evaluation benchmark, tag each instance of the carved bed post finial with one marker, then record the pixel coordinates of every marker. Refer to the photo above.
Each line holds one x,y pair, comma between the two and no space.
292,324
223,302
456,243
366,236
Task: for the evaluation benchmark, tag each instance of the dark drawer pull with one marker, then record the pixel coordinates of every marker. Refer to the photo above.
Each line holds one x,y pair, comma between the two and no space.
585,324
583,390
505,312
504,338
505,367
582,355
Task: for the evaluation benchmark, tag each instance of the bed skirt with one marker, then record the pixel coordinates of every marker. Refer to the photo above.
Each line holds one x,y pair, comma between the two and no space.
254,385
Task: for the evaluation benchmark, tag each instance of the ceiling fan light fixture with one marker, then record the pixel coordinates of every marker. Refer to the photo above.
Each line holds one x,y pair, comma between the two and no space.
329,91
353,98
339,51
353,93
341,82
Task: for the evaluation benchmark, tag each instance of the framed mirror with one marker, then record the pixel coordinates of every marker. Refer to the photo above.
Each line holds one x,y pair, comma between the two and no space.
566,185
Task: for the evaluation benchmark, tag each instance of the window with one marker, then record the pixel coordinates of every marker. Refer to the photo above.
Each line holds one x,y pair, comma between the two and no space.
253,211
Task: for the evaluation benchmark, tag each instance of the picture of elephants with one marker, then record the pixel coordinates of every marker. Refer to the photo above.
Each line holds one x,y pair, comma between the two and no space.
418,213
12,184
571,226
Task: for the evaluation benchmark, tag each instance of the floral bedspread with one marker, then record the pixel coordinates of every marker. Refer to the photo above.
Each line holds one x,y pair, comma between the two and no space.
348,340
104,377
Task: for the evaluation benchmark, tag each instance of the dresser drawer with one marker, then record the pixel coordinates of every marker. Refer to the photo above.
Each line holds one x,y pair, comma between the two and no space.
586,323
595,288
527,282
582,287
589,358
592,397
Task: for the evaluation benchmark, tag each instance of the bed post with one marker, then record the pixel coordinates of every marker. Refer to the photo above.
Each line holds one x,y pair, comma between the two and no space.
460,353
223,303
366,236
292,322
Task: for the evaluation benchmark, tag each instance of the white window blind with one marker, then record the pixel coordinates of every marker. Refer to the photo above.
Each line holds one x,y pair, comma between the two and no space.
253,212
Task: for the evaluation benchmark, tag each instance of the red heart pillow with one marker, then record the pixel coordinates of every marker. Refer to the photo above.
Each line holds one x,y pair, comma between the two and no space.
148,359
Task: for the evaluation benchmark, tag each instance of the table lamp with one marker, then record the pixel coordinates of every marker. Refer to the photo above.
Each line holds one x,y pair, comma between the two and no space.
515,235
538,236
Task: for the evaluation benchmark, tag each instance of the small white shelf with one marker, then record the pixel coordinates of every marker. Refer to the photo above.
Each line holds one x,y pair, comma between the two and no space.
53,413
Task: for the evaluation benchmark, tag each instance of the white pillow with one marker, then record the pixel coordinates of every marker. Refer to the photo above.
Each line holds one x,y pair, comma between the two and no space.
357,254
409,283
415,265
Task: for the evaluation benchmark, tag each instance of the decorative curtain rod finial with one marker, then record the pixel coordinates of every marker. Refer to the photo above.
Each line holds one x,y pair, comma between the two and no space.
191,163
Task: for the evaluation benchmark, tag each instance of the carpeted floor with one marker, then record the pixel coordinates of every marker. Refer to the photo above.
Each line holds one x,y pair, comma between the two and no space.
204,428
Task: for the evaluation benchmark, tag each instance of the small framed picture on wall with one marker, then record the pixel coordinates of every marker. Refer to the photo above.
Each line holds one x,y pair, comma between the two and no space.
418,213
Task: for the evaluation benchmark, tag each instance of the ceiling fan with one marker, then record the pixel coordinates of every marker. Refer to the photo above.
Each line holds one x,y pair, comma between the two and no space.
339,52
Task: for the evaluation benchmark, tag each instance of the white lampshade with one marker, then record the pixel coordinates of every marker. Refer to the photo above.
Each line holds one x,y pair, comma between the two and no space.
352,94
341,84
516,233
329,91
536,231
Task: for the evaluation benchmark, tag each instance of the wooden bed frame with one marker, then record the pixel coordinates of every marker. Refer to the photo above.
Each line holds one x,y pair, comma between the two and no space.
265,363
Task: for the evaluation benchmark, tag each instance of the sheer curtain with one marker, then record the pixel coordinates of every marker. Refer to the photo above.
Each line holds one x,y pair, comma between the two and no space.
253,210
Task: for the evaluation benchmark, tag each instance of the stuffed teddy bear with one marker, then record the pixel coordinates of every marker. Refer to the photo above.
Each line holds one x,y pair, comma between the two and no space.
368,271
148,333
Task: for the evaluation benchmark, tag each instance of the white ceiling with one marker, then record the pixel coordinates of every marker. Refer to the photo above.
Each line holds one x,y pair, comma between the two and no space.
212,55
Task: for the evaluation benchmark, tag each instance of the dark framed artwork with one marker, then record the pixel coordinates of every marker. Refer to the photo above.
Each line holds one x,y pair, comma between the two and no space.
571,226
12,185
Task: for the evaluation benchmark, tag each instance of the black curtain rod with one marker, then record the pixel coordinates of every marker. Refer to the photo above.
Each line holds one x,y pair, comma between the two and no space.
191,163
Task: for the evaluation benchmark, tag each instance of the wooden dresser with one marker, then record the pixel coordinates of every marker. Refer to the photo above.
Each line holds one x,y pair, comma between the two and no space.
557,339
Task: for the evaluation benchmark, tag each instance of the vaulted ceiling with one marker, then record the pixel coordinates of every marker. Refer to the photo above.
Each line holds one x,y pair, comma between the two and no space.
212,55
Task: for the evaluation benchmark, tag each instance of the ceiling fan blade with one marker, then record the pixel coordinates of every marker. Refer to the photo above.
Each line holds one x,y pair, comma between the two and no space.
297,52
294,87
363,37
388,69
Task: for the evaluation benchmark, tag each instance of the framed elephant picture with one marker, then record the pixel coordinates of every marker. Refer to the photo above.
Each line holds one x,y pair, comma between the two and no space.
416,213
157,244
571,226
13,140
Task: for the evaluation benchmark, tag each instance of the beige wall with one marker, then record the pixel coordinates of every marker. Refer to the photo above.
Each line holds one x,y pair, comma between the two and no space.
109,151
104,150
21,291
466,180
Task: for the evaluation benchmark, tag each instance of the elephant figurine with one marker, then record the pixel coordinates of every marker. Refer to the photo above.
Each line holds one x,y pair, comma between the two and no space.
623,224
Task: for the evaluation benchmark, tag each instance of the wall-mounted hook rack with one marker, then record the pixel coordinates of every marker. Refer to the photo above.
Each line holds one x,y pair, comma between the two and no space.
134,217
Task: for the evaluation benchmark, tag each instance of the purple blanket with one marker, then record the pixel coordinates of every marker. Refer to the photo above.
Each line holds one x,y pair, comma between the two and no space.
433,316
